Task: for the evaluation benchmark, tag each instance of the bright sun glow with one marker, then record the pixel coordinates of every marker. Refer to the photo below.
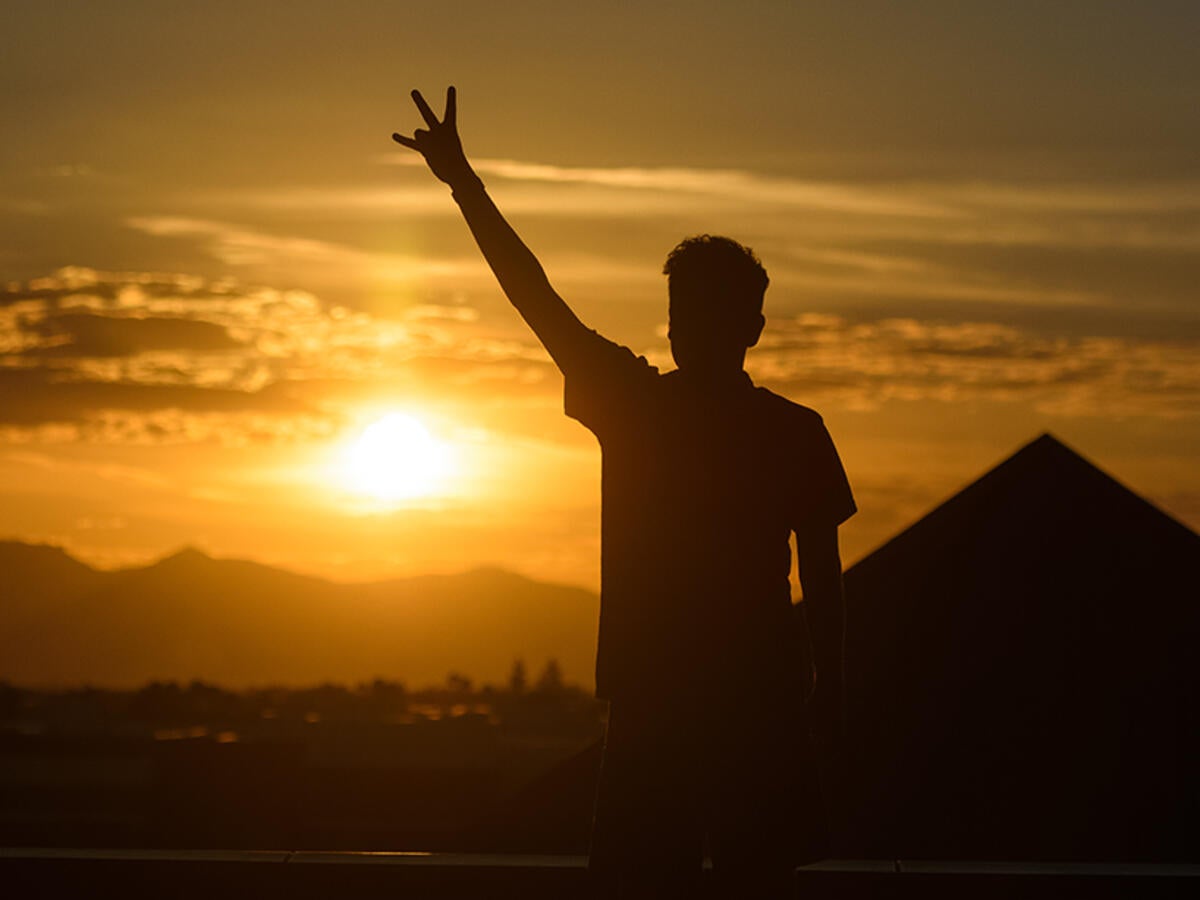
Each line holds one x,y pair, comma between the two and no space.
396,458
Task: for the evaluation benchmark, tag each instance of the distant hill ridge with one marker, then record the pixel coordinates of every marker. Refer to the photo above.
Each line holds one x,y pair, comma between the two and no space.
1043,521
238,622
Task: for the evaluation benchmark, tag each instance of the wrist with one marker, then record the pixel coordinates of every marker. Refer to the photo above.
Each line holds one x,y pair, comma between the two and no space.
466,184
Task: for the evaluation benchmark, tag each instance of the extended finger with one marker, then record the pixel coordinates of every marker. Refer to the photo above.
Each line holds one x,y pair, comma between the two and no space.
451,106
406,142
426,112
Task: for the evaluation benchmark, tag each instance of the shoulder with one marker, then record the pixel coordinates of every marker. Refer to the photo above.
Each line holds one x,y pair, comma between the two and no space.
788,412
604,381
828,499
600,351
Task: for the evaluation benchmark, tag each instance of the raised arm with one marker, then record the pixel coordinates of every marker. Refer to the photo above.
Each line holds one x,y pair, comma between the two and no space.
516,268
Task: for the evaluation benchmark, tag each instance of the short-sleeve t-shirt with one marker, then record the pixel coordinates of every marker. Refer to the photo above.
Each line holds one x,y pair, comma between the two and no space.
702,485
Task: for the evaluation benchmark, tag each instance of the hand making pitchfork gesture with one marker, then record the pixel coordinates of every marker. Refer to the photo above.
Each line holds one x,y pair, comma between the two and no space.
439,143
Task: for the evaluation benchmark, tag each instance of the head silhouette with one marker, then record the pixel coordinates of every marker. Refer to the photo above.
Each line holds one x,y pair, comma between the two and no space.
716,289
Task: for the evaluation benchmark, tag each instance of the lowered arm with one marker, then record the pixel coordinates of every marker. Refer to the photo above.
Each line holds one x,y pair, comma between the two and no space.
820,568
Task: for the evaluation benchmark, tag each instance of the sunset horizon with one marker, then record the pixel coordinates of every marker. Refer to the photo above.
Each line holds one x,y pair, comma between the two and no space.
216,277
417,630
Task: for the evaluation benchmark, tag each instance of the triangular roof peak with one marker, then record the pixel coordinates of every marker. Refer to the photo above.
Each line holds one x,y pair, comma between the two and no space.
1042,455
1046,438
1042,469
1048,443
1031,637
1046,454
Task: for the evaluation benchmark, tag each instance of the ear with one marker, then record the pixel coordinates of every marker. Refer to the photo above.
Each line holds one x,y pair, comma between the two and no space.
754,330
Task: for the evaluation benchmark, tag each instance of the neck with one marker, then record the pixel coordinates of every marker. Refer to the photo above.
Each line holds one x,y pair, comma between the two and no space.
715,377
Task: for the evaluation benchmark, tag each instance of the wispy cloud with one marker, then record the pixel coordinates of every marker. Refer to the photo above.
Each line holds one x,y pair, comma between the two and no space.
729,185
947,247
863,365
145,357
950,242
66,170
948,199
240,245
597,190
131,357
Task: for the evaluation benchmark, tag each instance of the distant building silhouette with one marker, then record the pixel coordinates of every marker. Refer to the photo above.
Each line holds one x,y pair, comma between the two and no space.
1023,666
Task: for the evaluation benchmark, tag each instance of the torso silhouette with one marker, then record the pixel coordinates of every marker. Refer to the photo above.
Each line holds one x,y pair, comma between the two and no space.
702,486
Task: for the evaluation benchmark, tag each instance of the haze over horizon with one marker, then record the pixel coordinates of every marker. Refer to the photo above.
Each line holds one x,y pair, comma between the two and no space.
981,223
238,623
1044,510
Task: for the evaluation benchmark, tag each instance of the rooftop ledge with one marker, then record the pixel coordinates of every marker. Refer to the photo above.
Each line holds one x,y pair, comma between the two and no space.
429,876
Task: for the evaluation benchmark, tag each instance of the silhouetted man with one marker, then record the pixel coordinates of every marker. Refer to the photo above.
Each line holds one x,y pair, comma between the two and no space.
705,478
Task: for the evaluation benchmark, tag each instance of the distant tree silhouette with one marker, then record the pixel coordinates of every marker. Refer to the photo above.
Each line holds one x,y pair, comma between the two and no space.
10,700
551,679
383,698
517,681
457,683
158,701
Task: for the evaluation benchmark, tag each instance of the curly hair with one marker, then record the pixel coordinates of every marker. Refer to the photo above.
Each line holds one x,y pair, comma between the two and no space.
710,265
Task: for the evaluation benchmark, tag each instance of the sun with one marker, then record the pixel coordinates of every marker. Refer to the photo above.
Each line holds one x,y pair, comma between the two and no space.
396,458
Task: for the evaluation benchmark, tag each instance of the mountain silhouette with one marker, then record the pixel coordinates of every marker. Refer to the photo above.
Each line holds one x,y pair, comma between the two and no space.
237,622
1022,673
30,568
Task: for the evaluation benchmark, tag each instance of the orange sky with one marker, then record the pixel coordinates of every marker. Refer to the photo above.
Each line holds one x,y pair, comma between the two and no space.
980,222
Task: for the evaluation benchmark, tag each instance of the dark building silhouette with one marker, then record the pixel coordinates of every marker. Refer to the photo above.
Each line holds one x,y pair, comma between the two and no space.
1022,668
1023,665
